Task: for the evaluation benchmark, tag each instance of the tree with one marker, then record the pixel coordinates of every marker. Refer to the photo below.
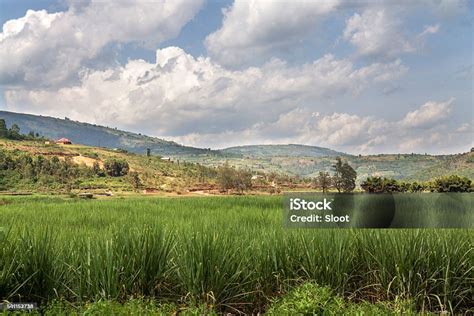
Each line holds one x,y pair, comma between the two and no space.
230,178
452,183
404,186
372,185
14,132
225,177
116,167
324,181
97,170
416,187
337,178
242,180
390,185
3,129
135,181
344,176
349,176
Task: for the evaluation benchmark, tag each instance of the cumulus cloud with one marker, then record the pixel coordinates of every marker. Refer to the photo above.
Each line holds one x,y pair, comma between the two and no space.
49,49
197,102
380,29
377,32
47,67
252,28
343,131
179,94
428,114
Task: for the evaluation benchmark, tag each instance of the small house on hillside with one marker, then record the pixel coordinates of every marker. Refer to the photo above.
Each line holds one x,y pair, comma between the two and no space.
64,141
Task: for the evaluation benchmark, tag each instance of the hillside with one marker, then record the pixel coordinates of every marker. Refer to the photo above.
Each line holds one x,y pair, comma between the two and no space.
98,136
290,150
397,166
35,170
291,159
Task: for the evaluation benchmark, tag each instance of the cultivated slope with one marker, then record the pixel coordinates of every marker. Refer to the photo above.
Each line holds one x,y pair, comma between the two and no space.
293,159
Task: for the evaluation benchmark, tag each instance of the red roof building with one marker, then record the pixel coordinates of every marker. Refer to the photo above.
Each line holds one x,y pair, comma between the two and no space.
64,141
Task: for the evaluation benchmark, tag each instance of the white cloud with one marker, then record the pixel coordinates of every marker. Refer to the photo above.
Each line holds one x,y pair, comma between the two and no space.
252,28
179,94
48,66
48,49
428,114
430,29
377,32
197,102
342,131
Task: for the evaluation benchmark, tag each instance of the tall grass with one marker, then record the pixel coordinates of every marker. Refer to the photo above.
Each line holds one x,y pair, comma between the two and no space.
230,252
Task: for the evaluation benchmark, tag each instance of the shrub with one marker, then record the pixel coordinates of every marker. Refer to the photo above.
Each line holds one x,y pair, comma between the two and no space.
311,299
388,185
307,299
372,185
416,187
452,183
135,181
229,178
116,167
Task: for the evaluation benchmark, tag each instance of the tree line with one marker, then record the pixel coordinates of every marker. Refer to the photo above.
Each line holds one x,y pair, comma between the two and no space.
18,166
344,177
14,133
452,183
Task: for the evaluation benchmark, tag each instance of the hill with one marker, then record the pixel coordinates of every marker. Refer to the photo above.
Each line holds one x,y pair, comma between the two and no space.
398,166
290,150
33,166
290,159
98,136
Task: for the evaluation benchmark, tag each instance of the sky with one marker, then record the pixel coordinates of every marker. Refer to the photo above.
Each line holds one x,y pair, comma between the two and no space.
359,76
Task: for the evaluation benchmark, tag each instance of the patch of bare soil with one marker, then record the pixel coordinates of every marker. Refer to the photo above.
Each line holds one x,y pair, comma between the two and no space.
89,162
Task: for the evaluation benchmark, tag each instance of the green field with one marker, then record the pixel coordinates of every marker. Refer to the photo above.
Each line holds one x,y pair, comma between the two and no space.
221,254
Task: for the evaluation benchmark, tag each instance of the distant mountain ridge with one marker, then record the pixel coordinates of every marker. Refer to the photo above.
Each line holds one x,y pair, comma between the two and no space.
289,150
95,135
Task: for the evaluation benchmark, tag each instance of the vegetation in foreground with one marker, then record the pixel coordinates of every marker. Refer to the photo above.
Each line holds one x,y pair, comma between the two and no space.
227,254
306,299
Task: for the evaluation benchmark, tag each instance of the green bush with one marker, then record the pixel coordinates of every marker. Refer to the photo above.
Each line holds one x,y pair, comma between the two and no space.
452,183
311,299
230,178
416,187
130,307
116,167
